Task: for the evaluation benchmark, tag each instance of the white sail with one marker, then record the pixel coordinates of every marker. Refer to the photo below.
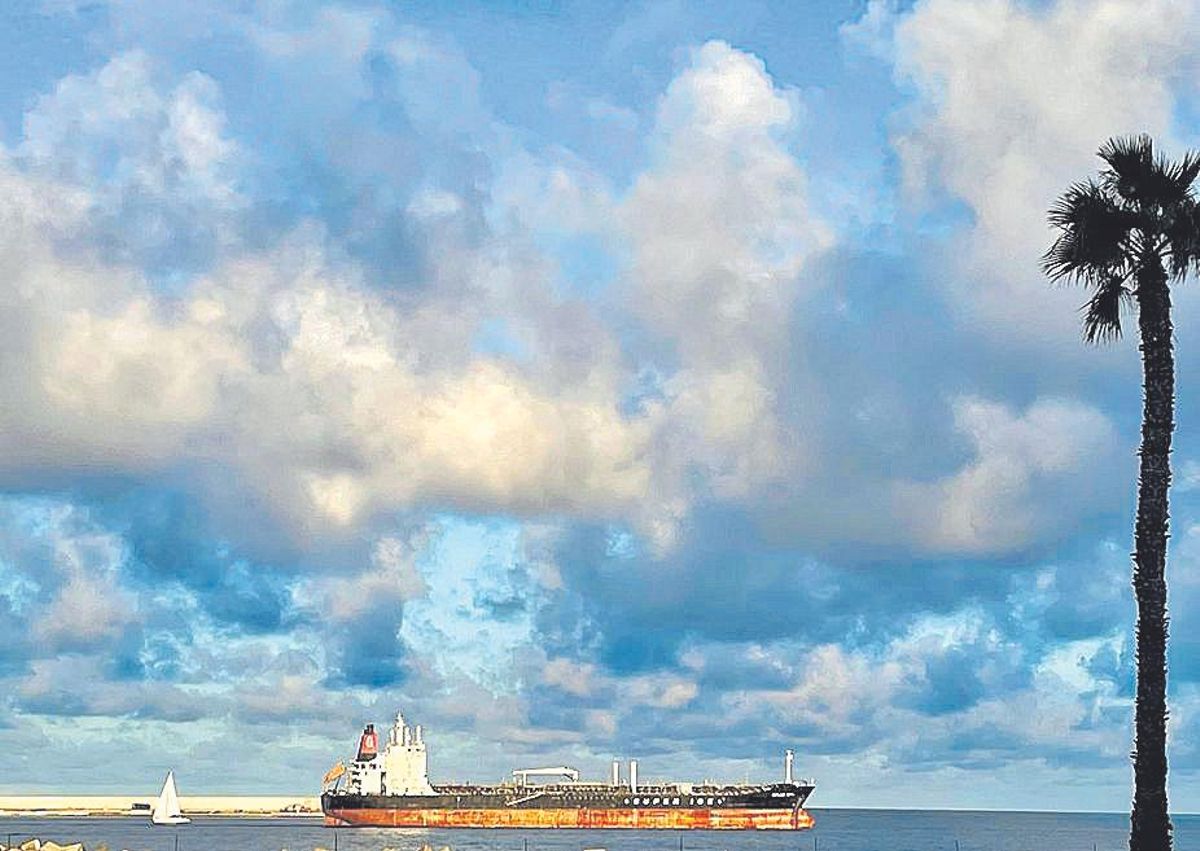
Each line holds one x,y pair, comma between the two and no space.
166,808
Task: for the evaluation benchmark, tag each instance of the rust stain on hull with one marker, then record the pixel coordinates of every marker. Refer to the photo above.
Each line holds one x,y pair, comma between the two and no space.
661,819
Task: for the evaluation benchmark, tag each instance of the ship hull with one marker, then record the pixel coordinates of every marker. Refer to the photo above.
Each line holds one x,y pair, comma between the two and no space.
771,807
732,818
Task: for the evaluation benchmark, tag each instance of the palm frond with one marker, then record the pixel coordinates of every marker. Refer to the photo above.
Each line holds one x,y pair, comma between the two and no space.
1094,232
1130,162
1102,313
1144,180
1183,239
1185,171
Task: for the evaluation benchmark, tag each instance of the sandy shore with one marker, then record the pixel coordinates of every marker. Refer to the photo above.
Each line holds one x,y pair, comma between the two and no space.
114,805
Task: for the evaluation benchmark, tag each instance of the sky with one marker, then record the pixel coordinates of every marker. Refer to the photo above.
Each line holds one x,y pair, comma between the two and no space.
588,380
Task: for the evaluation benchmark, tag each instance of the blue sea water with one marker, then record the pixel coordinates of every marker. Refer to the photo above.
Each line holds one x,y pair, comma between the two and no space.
836,830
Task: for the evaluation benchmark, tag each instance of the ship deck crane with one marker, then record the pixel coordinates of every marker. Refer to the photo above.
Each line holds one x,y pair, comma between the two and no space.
522,775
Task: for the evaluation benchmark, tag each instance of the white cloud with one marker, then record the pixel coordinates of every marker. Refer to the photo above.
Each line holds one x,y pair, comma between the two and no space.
720,230
73,685
1188,478
393,576
333,401
874,31
899,707
95,369
1026,476
574,678
285,368
720,225
660,691
585,680
1011,104
139,368
89,609
157,161
835,692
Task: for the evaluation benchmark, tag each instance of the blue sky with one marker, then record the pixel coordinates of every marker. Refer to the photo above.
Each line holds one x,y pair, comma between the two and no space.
664,380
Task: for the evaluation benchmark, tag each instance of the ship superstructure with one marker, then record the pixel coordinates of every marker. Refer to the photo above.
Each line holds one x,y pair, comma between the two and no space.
390,787
401,768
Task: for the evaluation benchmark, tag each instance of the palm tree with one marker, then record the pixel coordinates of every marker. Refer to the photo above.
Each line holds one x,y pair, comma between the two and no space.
1125,237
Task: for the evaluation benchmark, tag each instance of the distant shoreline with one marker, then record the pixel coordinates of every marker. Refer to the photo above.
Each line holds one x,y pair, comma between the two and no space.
114,806
309,807
68,814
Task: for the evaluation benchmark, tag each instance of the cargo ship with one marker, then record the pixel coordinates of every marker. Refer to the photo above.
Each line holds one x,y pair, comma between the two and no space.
389,787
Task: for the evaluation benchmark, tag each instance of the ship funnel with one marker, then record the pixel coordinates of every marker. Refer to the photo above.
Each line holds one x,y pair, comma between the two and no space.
633,775
788,756
616,773
417,736
368,744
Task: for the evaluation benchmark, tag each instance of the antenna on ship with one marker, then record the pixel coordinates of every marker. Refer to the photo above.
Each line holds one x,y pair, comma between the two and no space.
788,757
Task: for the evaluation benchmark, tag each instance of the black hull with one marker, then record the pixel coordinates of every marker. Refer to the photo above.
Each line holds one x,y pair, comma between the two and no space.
777,797
776,807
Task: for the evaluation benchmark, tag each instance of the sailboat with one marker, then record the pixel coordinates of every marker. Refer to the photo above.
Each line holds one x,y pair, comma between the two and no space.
166,808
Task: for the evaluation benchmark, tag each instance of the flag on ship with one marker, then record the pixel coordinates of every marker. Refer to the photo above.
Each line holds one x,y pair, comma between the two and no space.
333,774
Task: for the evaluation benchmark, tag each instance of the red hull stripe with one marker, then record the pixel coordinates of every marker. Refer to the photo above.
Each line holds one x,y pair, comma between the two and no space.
672,819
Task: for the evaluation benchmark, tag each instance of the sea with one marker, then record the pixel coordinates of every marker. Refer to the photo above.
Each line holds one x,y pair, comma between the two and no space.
836,830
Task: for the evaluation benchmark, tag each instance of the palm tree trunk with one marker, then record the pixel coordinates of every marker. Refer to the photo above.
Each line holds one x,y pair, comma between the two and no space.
1150,823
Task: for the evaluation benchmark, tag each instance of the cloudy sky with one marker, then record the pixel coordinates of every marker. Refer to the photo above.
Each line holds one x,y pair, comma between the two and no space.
659,379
